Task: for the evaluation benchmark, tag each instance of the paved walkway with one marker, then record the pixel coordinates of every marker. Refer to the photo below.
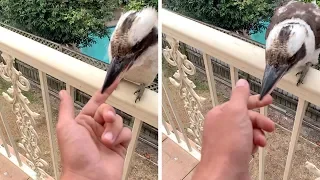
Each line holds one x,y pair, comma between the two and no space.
9,171
177,164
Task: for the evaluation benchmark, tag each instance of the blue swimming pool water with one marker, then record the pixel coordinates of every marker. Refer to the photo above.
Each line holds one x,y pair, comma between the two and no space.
99,50
260,36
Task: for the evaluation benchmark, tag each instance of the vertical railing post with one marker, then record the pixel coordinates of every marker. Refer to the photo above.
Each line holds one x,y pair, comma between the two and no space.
3,139
60,48
301,109
234,76
166,112
48,113
132,147
70,91
211,81
13,143
262,151
164,123
178,120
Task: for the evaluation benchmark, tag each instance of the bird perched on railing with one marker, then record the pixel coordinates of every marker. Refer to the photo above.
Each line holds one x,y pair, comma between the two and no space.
133,49
292,41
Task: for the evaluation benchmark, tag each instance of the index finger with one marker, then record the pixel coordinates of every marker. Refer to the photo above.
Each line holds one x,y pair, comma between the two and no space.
254,102
97,99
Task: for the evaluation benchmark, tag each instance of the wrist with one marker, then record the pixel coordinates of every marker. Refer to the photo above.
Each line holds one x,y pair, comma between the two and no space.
68,175
221,168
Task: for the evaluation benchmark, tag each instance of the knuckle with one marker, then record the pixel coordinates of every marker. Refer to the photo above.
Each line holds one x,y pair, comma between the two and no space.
107,106
103,107
253,115
81,119
119,118
128,130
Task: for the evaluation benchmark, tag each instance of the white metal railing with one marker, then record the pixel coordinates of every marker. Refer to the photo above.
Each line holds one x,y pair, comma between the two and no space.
240,55
82,76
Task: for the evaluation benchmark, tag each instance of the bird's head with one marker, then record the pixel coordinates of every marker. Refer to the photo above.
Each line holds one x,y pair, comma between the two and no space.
285,47
133,34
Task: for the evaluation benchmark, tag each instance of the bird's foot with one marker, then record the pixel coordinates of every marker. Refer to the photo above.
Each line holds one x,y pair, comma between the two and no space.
299,73
303,73
140,92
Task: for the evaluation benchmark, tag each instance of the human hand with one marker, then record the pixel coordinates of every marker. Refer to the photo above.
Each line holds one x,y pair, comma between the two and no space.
232,132
93,145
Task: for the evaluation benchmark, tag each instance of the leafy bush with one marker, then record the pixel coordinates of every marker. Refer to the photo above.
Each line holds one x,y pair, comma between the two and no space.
64,22
139,4
233,15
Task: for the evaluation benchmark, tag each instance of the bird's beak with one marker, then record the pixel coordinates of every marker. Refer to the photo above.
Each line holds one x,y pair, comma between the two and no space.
270,78
116,69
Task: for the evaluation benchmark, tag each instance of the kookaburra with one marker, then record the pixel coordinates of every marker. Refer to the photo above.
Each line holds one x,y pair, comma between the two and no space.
292,41
133,49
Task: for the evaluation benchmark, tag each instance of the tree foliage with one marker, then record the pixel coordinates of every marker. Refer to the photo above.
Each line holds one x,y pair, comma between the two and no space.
63,21
139,4
233,15
318,2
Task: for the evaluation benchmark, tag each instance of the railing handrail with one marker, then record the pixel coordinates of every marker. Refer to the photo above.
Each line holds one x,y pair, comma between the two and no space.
79,74
236,52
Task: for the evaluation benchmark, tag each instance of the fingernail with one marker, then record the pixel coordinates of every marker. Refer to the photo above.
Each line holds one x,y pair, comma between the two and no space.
241,82
108,136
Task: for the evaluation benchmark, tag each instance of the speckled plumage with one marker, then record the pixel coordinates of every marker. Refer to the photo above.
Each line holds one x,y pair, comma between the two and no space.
308,12
119,45
277,51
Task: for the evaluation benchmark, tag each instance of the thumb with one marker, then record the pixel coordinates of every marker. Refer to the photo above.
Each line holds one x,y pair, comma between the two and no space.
66,109
241,93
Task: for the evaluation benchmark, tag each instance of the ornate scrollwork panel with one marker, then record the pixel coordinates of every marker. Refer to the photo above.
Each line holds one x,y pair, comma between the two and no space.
25,116
180,80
